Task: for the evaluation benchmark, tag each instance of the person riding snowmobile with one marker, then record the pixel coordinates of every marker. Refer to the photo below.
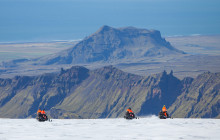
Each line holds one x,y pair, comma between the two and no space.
163,114
164,110
129,114
41,115
43,112
38,112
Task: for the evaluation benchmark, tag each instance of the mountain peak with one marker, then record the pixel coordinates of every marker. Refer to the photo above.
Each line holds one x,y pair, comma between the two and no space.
105,27
107,69
127,30
77,70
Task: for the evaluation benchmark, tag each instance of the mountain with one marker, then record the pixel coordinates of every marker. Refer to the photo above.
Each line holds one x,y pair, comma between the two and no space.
108,45
200,98
100,93
114,44
111,91
105,92
22,95
134,50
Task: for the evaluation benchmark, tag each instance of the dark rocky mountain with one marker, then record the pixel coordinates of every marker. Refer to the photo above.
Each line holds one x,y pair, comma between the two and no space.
114,44
104,92
200,97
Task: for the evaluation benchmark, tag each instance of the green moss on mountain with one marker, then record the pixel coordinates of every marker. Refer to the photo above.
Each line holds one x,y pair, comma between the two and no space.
107,92
201,99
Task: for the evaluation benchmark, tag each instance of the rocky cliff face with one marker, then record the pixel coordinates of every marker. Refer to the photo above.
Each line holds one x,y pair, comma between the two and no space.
164,91
107,92
22,96
200,98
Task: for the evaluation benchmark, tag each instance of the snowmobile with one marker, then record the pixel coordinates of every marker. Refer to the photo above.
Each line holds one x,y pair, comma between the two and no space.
129,116
163,116
42,118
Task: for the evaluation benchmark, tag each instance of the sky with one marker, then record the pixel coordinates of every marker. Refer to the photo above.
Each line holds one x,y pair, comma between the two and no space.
47,20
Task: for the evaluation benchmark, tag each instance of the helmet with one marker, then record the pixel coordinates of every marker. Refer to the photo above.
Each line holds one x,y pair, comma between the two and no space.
129,108
163,105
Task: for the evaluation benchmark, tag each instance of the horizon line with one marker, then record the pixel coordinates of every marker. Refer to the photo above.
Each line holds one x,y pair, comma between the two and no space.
76,40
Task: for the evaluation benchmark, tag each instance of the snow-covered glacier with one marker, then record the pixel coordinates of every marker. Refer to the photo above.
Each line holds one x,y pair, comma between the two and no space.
146,128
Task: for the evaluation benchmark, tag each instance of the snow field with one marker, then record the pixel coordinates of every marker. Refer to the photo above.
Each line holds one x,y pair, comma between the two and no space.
149,128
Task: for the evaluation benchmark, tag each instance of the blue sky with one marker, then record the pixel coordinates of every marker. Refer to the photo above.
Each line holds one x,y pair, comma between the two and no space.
46,20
